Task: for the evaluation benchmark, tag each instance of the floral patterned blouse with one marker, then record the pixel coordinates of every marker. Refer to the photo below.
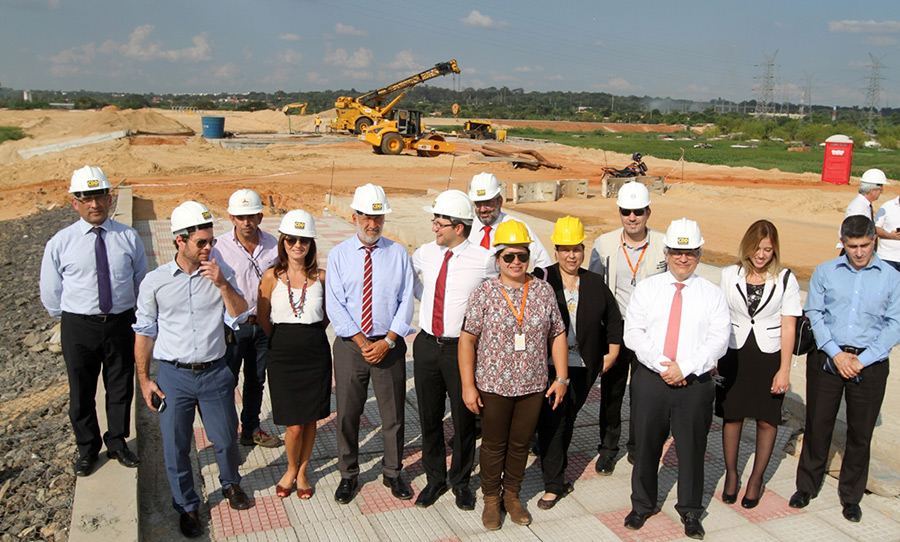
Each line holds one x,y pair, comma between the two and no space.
499,369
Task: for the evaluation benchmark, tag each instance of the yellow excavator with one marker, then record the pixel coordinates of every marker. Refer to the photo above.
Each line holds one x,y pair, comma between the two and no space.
296,108
356,114
405,132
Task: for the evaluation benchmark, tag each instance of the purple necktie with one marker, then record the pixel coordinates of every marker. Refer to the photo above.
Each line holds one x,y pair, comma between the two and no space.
104,289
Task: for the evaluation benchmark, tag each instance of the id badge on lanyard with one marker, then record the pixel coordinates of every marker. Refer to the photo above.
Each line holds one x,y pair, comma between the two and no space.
519,337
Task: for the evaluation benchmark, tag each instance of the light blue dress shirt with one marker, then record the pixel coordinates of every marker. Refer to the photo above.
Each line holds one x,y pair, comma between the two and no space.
247,269
69,268
392,288
861,308
184,314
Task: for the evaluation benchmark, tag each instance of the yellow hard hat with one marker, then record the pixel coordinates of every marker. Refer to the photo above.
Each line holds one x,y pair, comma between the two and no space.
512,232
568,231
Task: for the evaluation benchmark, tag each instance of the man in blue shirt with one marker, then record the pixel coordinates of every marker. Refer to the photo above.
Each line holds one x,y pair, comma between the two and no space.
181,306
853,306
89,278
369,300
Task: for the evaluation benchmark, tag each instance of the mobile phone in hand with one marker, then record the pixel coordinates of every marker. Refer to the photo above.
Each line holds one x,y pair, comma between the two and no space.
158,403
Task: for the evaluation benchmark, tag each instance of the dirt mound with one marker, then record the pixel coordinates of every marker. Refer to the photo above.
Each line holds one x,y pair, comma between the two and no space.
111,108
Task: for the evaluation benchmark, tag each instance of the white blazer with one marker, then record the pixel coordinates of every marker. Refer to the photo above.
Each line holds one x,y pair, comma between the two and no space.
766,321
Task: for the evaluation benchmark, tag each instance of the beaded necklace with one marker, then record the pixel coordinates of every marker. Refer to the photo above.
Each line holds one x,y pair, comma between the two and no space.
298,309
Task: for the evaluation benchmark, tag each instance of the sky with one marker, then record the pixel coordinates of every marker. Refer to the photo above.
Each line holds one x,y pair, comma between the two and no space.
691,49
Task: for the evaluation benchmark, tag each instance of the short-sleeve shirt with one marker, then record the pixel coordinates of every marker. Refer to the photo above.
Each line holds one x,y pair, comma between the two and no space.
499,369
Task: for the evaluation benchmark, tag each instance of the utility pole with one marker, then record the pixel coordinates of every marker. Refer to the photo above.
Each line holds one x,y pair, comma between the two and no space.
873,95
765,88
807,97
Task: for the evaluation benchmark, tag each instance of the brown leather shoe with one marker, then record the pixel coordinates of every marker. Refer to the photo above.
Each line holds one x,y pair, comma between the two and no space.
490,517
514,508
237,499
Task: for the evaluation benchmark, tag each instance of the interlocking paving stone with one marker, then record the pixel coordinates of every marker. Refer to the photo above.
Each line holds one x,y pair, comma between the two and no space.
266,514
658,528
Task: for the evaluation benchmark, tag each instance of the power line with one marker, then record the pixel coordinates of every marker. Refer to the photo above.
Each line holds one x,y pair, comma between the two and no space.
873,95
765,88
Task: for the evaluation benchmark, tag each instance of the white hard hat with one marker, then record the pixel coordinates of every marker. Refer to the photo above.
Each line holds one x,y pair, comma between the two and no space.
683,233
633,195
453,204
88,179
244,202
190,214
298,223
370,200
484,187
874,176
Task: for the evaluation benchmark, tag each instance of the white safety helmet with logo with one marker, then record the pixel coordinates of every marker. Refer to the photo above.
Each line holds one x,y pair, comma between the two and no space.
484,187
633,195
683,234
88,179
874,176
370,199
298,223
190,216
244,202
453,204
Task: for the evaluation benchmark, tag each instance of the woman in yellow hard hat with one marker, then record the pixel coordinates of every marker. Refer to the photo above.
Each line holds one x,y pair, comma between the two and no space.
509,322
593,336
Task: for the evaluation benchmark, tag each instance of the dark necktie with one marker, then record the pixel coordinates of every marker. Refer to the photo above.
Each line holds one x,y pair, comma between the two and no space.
104,288
367,293
437,319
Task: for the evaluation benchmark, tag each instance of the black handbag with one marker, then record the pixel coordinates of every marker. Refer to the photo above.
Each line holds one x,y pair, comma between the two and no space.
804,342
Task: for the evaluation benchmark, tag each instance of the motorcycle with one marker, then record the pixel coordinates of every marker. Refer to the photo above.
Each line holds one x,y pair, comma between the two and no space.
636,169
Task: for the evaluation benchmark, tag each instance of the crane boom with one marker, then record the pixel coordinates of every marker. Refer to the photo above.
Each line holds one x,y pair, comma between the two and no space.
380,95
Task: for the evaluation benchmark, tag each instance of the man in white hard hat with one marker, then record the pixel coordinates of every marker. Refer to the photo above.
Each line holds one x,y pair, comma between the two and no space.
486,194
624,257
369,301
678,326
180,310
447,270
249,251
871,185
89,279
887,226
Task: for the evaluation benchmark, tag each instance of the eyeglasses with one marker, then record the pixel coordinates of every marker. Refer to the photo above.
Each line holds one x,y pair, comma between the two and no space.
87,200
291,241
637,212
201,243
439,225
521,256
689,253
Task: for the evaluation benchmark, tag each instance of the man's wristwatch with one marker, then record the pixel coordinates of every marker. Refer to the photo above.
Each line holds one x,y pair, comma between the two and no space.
391,344
562,380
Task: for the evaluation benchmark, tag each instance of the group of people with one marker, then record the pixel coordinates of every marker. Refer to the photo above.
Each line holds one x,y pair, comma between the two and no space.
513,340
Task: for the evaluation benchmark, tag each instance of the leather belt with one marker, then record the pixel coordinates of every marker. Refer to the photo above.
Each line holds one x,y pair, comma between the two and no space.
191,366
105,318
441,340
705,377
853,350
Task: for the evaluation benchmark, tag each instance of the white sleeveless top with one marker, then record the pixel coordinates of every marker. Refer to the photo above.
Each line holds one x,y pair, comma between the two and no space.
313,309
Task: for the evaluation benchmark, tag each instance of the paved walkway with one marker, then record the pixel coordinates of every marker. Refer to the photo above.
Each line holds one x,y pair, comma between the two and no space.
594,511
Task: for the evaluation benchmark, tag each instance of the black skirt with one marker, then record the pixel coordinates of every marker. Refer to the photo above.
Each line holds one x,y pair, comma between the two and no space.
748,376
299,373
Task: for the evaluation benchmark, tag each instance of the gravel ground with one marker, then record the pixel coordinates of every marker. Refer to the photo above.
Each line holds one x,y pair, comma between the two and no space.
37,447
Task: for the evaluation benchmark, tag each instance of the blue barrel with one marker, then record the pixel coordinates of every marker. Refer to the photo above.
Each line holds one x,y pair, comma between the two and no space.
213,127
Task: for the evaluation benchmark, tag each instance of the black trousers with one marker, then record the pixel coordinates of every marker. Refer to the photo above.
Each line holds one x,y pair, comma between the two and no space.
823,399
91,348
612,394
657,408
436,372
555,428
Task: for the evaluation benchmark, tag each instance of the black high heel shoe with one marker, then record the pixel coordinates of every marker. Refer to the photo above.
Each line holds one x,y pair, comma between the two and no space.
729,498
751,503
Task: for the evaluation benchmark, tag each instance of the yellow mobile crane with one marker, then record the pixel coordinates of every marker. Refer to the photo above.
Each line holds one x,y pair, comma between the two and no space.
357,114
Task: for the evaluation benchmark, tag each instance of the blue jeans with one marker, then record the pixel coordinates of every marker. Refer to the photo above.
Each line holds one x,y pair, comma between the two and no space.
249,346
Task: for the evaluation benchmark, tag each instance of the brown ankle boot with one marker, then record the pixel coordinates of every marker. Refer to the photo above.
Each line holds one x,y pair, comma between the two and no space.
517,514
491,515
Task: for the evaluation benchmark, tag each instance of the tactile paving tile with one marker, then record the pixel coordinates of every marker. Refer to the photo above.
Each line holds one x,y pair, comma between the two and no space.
771,506
266,514
593,395
419,525
658,528
582,528
581,467
375,497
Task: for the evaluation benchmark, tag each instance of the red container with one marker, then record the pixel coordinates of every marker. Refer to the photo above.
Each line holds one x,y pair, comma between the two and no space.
838,158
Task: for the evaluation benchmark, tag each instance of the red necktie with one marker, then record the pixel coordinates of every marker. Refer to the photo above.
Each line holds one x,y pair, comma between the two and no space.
437,319
671,347
486,240
367,293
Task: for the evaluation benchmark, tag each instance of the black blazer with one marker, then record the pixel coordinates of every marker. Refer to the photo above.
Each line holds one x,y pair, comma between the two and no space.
598,320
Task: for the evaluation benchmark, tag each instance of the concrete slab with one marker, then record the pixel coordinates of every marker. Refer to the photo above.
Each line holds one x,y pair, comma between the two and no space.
71,144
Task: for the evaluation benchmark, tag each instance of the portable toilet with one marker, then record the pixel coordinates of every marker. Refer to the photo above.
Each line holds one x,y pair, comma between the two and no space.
838,158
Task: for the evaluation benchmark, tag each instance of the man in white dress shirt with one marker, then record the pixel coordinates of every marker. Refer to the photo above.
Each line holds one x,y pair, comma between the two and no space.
447,270
678,325
871,184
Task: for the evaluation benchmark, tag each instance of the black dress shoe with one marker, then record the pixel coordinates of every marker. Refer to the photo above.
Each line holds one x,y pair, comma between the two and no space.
630,458
605,465
692,526
85,465
465,498
399,489
430,494
635,520
125,457
344,493
237,499
799,499
189,524
852,512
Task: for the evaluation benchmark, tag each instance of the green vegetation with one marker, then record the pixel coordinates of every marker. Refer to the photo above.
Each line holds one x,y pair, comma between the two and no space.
11,133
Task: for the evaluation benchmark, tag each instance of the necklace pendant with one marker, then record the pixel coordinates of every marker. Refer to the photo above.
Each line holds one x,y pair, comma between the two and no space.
633,281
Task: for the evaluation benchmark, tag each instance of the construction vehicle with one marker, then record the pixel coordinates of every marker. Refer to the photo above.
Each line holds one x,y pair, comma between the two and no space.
405,132
296,108
356,114
478,129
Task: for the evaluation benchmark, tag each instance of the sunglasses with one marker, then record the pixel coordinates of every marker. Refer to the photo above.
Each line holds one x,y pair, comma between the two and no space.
637,212
690,253
521,256
291,241
201,243
87,200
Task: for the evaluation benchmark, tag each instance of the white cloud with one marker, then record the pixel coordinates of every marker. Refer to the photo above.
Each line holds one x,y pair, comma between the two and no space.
476,18
347,30
556,77
290,56
469,71
359,59
503,78
881,41
865,27
357,74
289,37
405,60
225,72
315,78
528,69
63,70
598,43
139,48
620,84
